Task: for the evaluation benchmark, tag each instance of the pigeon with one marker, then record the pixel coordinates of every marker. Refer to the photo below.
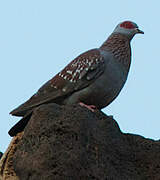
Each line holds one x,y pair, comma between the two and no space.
93,79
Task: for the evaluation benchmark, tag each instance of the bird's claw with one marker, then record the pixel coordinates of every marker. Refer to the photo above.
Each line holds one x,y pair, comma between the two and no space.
90,107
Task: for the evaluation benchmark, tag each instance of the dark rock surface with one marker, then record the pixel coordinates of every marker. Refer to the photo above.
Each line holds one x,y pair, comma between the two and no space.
1,154
73,143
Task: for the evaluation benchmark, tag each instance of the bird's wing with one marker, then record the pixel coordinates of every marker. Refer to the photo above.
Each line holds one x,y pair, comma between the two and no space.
78,74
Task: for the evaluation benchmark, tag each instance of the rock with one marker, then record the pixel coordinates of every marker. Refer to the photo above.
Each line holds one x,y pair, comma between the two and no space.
6,162
1,154
73,143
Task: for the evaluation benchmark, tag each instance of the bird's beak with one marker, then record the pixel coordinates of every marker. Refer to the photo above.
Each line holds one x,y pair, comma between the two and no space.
138,31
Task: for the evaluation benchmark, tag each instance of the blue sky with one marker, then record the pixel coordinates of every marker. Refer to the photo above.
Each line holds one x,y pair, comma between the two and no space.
38,38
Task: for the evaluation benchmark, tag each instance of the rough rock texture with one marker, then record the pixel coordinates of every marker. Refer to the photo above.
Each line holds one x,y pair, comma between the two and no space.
6,161
73,143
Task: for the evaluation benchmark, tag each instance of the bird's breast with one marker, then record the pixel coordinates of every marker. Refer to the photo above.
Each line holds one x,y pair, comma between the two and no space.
107,87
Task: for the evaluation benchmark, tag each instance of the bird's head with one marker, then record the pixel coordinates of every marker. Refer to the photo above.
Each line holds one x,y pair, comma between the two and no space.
128,28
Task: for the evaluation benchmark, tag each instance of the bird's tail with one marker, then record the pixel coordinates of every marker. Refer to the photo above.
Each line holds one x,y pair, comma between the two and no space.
19,127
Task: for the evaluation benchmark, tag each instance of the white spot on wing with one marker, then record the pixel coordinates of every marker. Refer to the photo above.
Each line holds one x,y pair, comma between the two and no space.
64,89
69,72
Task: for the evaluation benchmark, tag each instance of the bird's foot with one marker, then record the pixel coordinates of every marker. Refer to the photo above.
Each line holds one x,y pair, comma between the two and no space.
90,107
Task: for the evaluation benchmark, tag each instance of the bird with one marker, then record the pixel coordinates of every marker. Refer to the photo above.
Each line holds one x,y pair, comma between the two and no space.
93,79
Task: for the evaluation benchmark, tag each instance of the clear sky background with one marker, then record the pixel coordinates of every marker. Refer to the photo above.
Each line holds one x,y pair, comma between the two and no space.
38,38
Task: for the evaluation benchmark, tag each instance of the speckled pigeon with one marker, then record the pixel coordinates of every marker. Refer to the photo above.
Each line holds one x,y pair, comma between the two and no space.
93,79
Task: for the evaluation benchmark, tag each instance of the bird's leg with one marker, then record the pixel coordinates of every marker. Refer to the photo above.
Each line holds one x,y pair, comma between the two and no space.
90,107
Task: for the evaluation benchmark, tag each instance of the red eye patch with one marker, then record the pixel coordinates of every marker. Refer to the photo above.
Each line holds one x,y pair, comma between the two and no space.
127,25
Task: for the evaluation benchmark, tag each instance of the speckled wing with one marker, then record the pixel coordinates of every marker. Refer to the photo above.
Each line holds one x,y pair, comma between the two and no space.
78,74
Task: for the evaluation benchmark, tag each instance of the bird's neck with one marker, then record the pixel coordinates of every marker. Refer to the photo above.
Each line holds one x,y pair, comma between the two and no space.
119,46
